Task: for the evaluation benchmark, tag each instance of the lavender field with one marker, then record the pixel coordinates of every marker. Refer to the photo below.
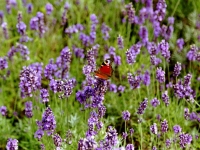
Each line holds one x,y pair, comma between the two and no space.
54,94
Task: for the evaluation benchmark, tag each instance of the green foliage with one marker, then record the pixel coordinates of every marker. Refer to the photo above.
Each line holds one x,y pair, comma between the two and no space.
68,113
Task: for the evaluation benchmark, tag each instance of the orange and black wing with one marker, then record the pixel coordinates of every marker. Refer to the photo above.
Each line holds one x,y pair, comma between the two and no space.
104,72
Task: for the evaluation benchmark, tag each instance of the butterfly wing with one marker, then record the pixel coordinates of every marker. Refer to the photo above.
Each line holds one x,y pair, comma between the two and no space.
104,72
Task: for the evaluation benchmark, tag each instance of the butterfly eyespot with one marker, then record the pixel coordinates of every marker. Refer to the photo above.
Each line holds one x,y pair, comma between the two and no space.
107,62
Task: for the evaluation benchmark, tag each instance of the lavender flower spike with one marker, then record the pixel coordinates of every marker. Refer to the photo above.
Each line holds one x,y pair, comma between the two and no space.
177,69
49,8
120,42
154,129
3,110
126,115
12,144
160,75
28,109
142,107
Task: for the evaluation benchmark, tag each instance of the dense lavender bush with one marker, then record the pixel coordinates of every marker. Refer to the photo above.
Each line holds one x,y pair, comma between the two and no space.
99,75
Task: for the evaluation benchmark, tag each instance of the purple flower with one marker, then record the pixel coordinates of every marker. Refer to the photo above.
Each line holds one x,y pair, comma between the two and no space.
186,113
44,95
168,33
144,14
87,143
164,126
131,131
24,51
168,143
5,30
152,48
28,82
143,33
180,43
193,116
160,12
113,88
41,27
105,31
130,56
101,110
146,78
12,144
1,17
117,60
124,135
68,86
91,59
39,134
50,69
56,85
164,49
177,129
85,39
3,63
3,110
165,98
142,107
158,117
21,28
191,55
34,23
184,90
111,51
154,148
49,8
93,18
177,69
160,75
111,138
121,88
154,129
120,42
130,12
155,61
29,8
78,52
81,97
87,69
65,55
74,29
185,139
29,109
100,87
48,121
129,147
134,81
156,29
155,102
126,115
92,37
171,20
187,79
66,8
57,140
42,147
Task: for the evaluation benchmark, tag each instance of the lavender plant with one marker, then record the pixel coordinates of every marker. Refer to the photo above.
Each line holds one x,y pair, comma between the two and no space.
51,98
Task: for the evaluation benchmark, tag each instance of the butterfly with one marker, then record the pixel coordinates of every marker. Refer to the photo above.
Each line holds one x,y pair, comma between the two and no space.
105,71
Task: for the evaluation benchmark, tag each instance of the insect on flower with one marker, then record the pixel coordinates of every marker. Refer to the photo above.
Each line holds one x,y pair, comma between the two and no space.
105,71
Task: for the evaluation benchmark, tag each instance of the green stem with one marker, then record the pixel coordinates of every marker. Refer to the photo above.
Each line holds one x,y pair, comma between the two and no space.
175,7
125,133
141,135
67,115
